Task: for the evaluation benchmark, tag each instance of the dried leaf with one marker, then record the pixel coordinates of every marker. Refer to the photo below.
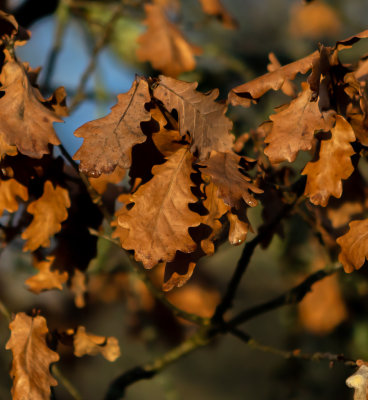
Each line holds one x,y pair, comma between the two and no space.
88,343
239,227
78,287
324,176
10,190
31,358
45,278
233,185
163,45
287,87
49,211
108,141
179,271
314,20
215,8
24,121
100,184
359,382
294,127
199,114
243,95
354,246
10,32
158,222
350,41
6,149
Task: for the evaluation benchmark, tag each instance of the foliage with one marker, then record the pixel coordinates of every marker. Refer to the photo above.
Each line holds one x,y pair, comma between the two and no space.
163,178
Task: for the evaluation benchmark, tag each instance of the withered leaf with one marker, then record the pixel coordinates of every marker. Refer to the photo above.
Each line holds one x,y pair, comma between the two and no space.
158,222
9,191
31,358
215,8
10,32
359,381
199,114
354,246
78,287
239,226
46,279
324,176
6,149
243,95
163,45
287,87
233,185
24,121
49,211
108,141
100,184
88,343
294,127
350,41
180,270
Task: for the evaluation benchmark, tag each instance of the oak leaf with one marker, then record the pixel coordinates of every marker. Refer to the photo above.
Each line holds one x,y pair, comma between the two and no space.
354,246
49,211
100,184
287,87
359,381
199,114
239,226
163,45
249,92
294,127
88,343
108,141
233,185
158,222
6,149
78,287
9,191
324,176
10,32
215,8
46,279
31,358
24,120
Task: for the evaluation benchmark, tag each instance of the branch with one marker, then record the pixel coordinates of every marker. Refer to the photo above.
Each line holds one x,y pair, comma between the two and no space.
294,354
292,296
100,44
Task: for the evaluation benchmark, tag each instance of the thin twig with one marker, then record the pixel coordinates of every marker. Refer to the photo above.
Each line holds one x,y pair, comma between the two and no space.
254,344
156,293
62,14
72,390
100,44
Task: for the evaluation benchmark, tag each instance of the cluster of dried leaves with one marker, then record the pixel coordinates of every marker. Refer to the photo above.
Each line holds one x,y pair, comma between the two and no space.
185,184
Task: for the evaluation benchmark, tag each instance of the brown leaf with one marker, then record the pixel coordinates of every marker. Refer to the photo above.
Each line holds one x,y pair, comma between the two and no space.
233,186
158,222
314,20
239,226
215,8
49,211
243,95
163,45
323,308
31,358
10,32
350,41
287,87
78,288
179,271
10,190
199,114
359,381
45,278
88,343
100,184
108,141
294,127
324,176
354,246
24,121
6,149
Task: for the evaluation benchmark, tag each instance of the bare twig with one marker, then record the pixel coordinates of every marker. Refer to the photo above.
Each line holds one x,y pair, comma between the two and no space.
100,44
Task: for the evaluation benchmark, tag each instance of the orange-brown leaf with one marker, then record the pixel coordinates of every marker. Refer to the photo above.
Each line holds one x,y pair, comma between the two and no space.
78,288
243,95
294,127
233,186
6,149
10,190
31,358
287,87
100,184
108,141
215,8
324,176
88,343
199,114
24,121
158,222
49,211
163,45
354,246
46,279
